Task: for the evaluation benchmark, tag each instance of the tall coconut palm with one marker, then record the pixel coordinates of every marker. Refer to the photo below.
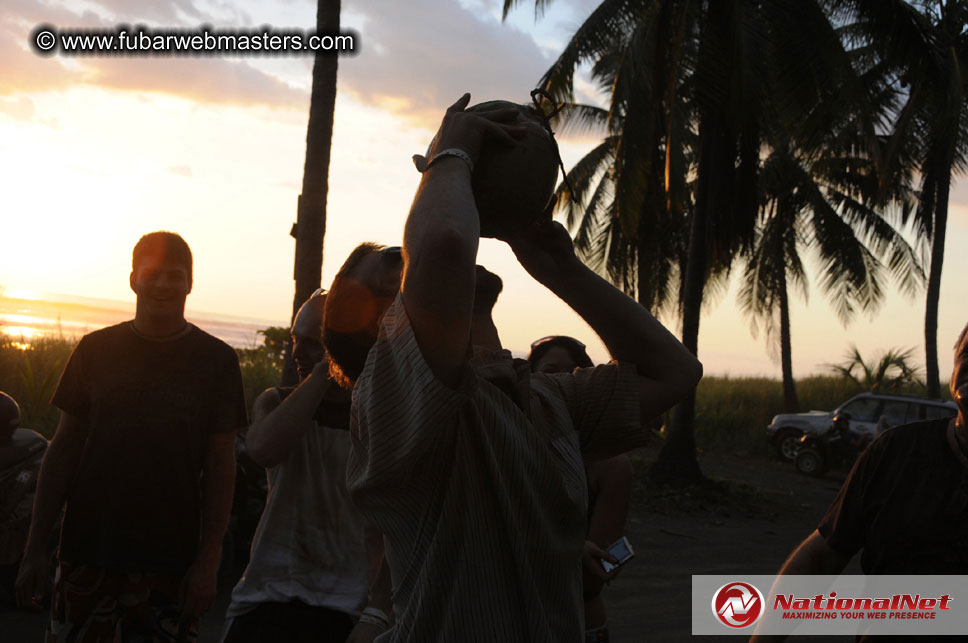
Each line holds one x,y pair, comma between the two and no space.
825,203
310,228
687,100
923,47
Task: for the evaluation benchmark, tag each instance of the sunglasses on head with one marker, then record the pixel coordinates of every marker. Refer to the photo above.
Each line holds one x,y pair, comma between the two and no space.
557,338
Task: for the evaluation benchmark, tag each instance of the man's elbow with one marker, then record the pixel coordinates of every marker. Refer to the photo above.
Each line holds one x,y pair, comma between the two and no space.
693,373
685,376
259,450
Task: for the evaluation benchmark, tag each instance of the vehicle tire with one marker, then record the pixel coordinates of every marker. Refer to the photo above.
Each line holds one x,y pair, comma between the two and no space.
787,443
810,462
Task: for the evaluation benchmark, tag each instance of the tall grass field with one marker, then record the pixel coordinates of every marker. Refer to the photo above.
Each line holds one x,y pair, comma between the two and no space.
731,412
30,372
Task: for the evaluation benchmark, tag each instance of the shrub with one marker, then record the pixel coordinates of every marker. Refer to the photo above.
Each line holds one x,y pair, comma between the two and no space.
29,371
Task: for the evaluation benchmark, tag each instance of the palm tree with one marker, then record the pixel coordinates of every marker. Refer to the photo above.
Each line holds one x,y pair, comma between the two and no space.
310,227
824,201
689,85
890,371
923,47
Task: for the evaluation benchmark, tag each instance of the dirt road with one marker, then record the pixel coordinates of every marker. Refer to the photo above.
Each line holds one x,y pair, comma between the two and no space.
745,523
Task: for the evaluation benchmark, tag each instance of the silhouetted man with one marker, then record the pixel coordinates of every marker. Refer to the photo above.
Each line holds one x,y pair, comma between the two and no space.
144,458
469,464
904,505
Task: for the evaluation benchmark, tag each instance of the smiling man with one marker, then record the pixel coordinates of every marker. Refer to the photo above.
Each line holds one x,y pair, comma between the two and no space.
144,459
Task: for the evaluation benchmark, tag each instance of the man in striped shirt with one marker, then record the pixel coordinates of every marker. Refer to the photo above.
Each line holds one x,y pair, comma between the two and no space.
470,465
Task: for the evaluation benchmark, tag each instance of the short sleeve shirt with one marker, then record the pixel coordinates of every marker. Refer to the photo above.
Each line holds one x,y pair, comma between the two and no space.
480,489
310,544
135,500
905,504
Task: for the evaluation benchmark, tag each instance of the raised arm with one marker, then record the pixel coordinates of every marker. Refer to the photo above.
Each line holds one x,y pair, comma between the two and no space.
667,371
277,425
56,471
441,237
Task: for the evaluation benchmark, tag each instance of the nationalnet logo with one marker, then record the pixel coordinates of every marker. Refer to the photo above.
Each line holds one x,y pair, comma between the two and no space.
738,604
832,606
822,605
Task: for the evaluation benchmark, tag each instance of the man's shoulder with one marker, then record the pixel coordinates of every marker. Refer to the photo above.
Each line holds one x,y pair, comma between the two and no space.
109,333
210,342
201,335
913,441
912,432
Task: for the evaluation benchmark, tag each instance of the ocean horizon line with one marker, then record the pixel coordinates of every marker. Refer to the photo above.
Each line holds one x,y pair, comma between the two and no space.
44,314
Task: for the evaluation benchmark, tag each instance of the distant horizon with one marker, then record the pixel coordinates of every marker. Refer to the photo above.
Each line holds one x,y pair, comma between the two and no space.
123,311
126,306
29,319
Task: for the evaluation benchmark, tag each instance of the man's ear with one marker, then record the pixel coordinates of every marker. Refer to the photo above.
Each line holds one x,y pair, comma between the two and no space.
131,282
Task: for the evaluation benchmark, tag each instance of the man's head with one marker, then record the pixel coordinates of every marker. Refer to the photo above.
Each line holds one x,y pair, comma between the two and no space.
361,292
307,335
959,376
161,273
558,354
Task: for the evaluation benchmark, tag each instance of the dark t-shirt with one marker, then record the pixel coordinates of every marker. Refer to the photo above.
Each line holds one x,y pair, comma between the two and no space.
135,501
905,504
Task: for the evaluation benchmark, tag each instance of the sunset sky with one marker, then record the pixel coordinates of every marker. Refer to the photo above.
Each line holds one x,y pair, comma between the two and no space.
95,151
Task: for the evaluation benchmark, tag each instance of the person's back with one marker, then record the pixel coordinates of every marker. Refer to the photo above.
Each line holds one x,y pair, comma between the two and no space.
909,506
493,491
904,505
473,473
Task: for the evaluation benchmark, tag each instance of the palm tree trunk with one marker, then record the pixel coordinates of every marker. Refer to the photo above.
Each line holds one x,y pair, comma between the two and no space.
677,461
791,403
310,228
934,283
